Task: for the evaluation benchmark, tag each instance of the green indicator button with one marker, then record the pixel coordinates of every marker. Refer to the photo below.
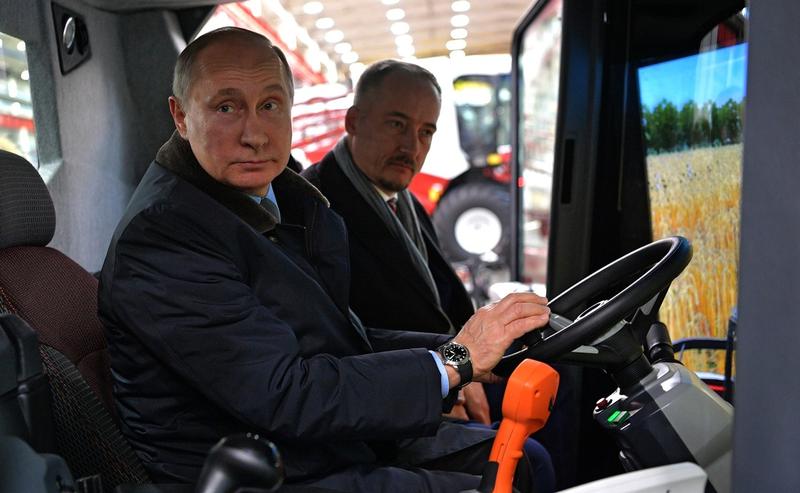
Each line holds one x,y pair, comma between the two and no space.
613,417
622,417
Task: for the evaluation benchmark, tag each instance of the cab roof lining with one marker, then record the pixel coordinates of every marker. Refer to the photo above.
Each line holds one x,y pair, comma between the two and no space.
141,5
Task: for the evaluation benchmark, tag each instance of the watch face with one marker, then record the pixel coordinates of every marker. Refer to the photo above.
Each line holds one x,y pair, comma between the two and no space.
455,353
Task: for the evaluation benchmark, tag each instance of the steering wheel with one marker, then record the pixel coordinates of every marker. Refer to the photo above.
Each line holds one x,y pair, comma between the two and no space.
663,260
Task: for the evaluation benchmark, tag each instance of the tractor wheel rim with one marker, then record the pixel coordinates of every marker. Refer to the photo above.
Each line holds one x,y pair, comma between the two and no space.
478,230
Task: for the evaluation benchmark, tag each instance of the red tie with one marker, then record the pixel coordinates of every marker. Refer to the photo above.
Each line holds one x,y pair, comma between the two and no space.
392,203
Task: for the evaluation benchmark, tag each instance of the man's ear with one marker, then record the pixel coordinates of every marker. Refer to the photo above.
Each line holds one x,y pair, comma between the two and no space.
178,115
350,120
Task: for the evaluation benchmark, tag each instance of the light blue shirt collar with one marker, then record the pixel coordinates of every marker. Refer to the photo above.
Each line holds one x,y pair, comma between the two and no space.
270,195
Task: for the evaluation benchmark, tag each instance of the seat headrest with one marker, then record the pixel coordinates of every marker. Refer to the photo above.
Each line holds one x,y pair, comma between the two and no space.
27,215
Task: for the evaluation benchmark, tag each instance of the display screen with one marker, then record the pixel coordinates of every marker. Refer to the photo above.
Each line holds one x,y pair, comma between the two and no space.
692,118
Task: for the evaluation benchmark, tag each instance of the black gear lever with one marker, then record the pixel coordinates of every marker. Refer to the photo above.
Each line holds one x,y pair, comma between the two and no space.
241,462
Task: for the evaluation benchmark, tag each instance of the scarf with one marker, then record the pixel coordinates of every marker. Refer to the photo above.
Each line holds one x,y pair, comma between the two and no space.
404,225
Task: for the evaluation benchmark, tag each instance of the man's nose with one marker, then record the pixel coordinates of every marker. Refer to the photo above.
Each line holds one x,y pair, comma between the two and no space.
255,131
410,142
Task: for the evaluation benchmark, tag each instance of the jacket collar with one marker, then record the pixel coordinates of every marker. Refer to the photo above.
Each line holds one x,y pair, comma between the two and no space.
364,223
176,155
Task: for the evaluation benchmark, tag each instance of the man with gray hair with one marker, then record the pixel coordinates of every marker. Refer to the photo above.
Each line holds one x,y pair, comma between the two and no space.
400,278
224,296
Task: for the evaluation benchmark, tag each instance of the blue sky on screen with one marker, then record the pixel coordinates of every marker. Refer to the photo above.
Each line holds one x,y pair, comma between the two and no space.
716,76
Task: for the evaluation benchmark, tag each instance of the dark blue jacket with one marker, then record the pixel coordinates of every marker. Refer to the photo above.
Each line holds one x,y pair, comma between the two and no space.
385,288
220,321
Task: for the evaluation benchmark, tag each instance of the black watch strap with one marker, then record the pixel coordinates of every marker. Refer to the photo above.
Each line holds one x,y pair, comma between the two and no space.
465,373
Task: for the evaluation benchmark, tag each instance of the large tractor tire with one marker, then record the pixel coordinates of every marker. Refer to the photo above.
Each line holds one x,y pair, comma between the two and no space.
474,219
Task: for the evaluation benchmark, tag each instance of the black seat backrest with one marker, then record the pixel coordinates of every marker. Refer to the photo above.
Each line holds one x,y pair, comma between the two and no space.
58,299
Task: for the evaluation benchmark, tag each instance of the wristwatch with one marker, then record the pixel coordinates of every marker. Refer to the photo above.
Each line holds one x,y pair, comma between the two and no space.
457,355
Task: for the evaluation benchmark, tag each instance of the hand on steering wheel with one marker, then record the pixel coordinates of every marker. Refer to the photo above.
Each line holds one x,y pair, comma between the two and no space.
656,265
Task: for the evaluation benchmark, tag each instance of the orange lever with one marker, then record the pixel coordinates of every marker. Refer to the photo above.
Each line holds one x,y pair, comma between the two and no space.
530,393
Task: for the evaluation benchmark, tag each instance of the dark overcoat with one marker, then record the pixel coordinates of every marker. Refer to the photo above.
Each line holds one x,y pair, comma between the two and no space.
221,321
385,288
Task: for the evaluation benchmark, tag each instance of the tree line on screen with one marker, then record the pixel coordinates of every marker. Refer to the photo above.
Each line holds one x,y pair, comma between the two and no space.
669,129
